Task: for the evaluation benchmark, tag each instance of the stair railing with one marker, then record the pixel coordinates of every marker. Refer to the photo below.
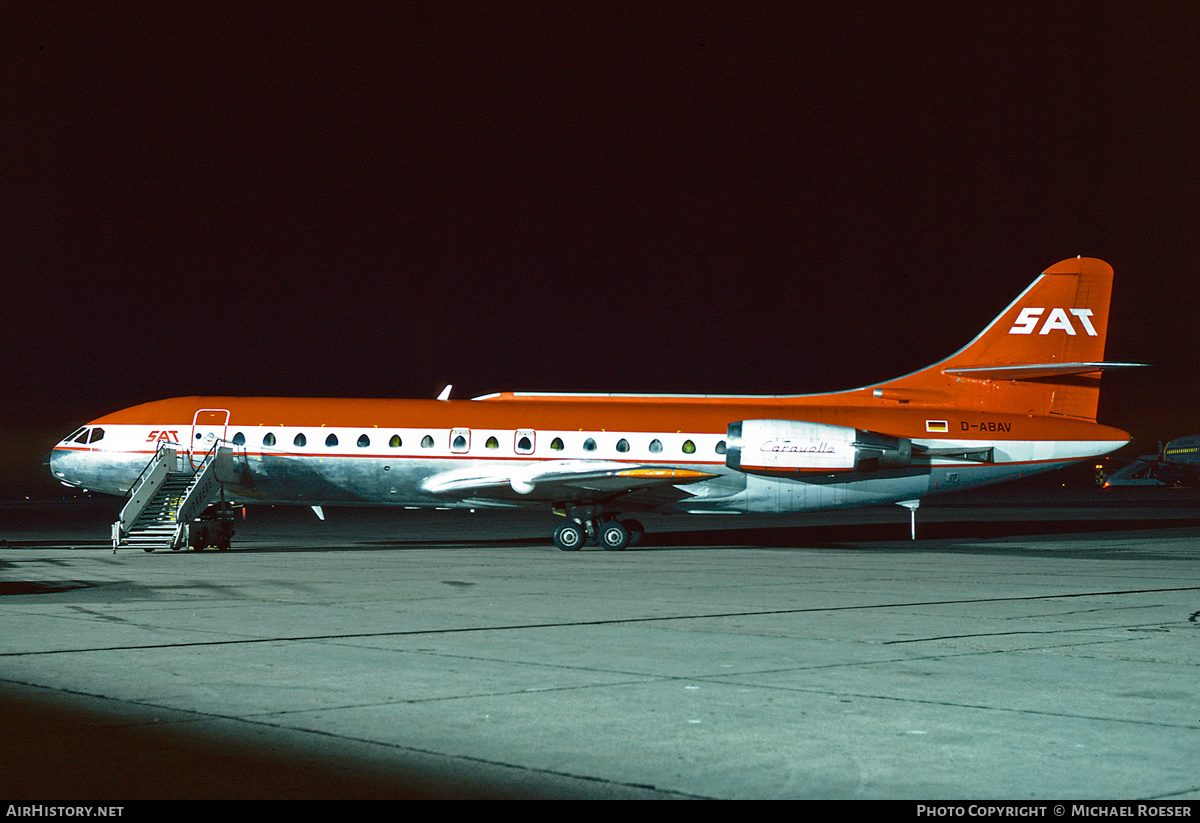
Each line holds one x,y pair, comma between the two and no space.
203,489
142,491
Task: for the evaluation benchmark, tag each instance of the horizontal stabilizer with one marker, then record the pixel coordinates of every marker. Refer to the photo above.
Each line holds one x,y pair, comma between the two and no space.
1034,371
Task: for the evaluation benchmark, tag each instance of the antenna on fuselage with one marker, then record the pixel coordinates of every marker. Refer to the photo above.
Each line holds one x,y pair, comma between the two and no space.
445,395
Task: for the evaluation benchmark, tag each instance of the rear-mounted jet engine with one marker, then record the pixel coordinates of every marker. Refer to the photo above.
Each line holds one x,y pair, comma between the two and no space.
794,446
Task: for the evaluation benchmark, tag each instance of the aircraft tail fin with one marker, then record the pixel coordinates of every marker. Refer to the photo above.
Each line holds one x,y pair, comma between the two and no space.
1042,355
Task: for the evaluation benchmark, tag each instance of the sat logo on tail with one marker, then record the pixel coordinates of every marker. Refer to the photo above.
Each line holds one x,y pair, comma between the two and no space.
1027,321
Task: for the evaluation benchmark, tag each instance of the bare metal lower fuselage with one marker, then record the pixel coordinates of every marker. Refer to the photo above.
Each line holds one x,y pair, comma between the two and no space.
289,479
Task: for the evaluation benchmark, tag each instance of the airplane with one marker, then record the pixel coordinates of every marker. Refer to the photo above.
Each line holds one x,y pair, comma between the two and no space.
1176,464
1019,399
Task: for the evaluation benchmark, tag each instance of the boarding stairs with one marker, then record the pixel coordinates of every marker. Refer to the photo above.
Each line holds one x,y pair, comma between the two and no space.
167,497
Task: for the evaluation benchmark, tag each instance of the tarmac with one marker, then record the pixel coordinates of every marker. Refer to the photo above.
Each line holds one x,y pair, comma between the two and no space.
1035,644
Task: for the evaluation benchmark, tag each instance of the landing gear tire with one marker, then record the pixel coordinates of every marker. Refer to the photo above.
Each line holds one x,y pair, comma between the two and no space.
569,537
614,537
636,531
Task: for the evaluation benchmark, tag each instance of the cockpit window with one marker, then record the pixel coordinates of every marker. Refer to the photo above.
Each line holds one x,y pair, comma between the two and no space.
97,434
82,437
74,434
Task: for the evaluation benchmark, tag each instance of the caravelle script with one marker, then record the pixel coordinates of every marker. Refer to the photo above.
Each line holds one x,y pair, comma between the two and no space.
793,447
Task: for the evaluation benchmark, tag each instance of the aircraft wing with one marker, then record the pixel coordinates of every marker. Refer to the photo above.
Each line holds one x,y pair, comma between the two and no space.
558,480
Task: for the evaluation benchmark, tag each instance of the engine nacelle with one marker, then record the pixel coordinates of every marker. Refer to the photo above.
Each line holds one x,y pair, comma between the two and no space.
796,446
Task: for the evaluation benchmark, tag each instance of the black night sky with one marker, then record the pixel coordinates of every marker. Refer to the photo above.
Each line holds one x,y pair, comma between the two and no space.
317,199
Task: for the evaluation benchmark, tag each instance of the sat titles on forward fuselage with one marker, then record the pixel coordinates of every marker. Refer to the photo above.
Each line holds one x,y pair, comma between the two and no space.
1019,399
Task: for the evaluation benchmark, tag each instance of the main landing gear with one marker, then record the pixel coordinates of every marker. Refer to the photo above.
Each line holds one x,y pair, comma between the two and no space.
609,533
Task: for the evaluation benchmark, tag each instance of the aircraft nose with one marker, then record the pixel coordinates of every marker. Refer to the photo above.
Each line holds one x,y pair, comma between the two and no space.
54,462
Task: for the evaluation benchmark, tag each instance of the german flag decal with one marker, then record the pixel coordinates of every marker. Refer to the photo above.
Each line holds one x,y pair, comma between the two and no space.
936,426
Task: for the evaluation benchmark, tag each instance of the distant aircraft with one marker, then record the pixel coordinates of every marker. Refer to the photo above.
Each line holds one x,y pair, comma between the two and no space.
1176,464
1019,399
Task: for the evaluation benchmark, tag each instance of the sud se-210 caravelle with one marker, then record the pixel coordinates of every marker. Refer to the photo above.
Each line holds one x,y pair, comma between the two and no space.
1019,399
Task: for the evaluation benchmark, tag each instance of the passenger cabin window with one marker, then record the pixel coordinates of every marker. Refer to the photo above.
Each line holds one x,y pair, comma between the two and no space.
492,443
331,440
589,445
427,442
655,446
363,441
395,442
524,441
460,440
622,445
239,439
300,440
556,444
269,439
689,447
721,447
